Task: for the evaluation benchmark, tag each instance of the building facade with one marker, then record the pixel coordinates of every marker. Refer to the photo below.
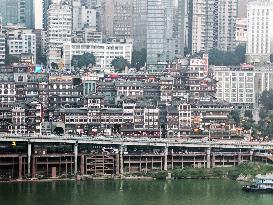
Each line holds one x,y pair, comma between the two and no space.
259,28
212,24
243,86
58,32
17,11
139,24
2,48
25,45
104,53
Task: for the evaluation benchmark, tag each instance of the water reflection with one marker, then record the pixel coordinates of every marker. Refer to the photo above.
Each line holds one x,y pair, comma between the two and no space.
181,192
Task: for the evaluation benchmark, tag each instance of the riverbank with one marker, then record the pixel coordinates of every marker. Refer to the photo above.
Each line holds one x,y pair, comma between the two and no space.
244,172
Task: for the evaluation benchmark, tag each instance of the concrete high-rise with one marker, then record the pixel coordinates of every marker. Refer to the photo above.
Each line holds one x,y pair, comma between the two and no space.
155,33
242,8
17,11
2,44
181,27
9,10
91,3
212,24
164,24
260,30
117,18
139,24
46,4
83,16
38,14
59,31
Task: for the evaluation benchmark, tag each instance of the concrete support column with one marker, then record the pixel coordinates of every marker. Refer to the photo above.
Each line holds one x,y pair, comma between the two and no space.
34,167
29,159
20,167
213,160
251,155
76,158
82,165
239,158
121,159
166,158
208,158
117,164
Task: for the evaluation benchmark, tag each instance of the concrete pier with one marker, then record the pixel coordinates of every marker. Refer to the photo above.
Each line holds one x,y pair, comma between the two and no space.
251,155
82,165
20,167
121,159
208,158
166,158
239,158
76,158
29,159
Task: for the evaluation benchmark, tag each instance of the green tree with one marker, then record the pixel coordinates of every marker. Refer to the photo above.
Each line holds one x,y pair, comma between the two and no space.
235,115
10,59
267,99
240,53
216,57
54,66
263,113
83,60
225,58
139,58
41,59
119,63
248,113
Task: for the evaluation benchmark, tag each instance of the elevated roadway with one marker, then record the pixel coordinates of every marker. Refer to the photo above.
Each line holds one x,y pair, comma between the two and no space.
125,141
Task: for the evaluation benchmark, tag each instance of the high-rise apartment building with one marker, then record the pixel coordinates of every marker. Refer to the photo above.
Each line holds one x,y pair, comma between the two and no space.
242,8
117,18
58,31
46,4
162,32
2,48
1,24
155,32
139,24
38,14
212,24
2,44
91,3
260,30
17,11
122,21
180,26
83,17
9,10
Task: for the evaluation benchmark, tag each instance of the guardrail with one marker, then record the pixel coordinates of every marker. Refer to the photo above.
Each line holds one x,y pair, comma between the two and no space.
130,141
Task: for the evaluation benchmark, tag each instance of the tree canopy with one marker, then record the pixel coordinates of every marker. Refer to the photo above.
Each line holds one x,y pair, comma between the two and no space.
119,63
267,99
54,66
225,58
83,60
248,114
235,115
10,59
139,58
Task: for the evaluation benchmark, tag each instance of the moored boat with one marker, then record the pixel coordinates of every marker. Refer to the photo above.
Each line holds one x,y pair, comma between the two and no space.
263,184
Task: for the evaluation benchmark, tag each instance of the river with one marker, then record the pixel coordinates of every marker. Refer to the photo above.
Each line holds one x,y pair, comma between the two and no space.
109,192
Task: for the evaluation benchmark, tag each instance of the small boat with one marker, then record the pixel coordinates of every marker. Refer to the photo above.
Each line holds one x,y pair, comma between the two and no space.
263,184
